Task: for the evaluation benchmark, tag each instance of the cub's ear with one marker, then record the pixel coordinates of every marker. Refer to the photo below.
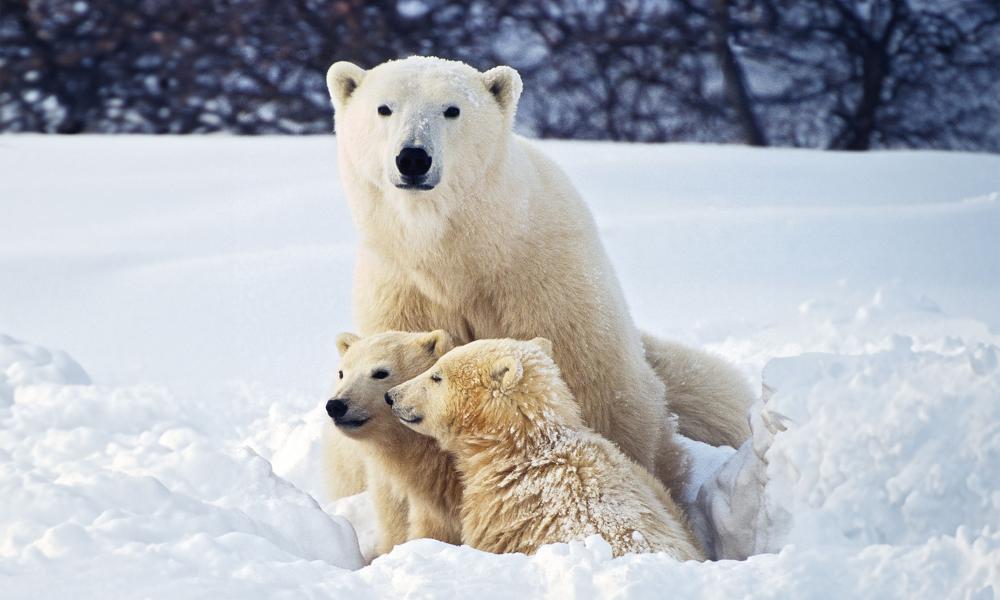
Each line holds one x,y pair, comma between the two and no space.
544,344
345,341
437,342
504,84
507,371
342,79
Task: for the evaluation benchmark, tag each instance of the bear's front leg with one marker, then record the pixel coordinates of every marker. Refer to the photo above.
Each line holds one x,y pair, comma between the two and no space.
425,522
392,512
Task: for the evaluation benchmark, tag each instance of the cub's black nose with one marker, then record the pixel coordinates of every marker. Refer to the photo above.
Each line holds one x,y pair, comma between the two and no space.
413,162
388,399
336,408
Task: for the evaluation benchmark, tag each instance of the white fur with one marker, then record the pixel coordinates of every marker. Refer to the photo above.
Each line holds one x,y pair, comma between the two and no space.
414,487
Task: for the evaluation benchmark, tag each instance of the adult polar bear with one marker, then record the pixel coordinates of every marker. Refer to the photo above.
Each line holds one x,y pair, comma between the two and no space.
467,227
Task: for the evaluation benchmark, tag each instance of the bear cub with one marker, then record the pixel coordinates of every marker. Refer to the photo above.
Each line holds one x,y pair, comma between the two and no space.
414,486
533,473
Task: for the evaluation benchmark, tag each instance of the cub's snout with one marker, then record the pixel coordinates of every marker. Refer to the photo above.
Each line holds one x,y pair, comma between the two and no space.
336,408
344,415
407,414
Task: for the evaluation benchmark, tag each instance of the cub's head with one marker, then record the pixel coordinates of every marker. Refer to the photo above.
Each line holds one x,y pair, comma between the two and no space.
483,388
413,126
369,367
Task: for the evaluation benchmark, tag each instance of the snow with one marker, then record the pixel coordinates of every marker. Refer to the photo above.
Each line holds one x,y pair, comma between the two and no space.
933,471
178,299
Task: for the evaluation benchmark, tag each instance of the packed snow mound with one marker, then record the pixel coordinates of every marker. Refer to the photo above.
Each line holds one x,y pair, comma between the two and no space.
893,448
22,364
883,427
134,485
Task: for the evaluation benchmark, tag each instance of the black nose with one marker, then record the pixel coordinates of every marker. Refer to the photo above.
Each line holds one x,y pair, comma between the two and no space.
413,162
388,399
336,408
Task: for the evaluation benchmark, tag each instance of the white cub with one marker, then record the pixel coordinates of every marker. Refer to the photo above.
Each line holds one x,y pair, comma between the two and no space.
413,483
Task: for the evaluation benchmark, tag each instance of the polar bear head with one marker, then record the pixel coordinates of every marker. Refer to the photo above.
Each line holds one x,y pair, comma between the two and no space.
485,389
422,125
371,365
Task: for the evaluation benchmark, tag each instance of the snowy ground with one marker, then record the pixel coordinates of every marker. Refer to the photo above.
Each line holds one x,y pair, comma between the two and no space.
198,284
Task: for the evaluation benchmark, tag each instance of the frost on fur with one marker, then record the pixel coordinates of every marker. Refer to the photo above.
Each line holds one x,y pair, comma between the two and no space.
533,472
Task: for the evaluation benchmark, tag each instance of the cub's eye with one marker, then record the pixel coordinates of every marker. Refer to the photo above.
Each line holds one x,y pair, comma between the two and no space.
436,378
380,374
340,374
385,111
451,112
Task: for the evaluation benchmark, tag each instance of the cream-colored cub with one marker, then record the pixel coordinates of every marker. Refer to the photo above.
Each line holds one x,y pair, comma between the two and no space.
534,474
414,486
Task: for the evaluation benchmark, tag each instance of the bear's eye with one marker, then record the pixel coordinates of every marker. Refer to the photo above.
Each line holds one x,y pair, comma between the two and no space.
384,110
380,374
340,374
436,378
451,112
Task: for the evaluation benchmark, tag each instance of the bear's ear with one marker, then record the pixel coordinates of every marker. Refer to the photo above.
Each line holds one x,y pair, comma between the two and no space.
345,341
504,84
437,342
544,344
507,371
342,79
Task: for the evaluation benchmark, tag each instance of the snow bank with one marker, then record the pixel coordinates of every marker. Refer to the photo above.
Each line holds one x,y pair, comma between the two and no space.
894,447
23,364
124,490
889,429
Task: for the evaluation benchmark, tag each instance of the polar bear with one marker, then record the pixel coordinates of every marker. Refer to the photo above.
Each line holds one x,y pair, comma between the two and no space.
533,473
414,486
467,227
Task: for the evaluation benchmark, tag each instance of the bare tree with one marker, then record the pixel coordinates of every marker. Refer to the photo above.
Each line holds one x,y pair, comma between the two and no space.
846,74
733,75
878,72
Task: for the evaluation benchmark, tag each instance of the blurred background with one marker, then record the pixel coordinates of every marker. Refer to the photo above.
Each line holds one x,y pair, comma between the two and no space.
838,74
